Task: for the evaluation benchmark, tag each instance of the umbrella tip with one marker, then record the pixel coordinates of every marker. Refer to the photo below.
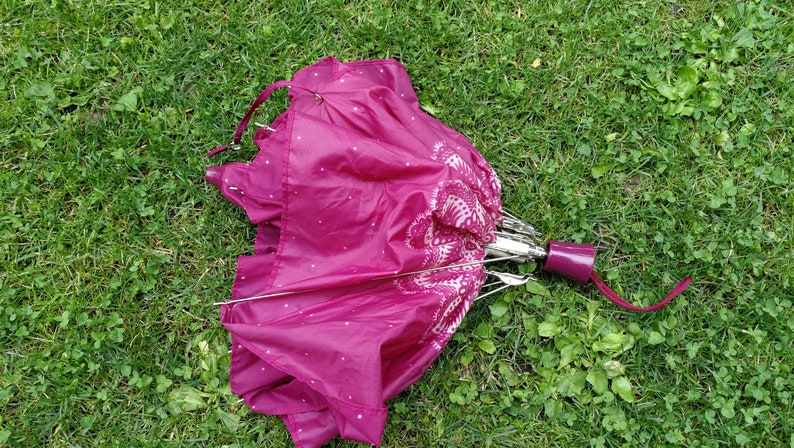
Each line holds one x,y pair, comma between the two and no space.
214,175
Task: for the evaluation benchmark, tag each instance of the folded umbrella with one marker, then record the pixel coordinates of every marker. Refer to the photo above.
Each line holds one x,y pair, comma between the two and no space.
374,222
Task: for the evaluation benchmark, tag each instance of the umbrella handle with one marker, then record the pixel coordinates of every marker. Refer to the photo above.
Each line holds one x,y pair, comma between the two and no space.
575,261
571,260
263,96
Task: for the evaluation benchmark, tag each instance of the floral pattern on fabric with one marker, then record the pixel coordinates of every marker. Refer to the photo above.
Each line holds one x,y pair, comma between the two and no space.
452,232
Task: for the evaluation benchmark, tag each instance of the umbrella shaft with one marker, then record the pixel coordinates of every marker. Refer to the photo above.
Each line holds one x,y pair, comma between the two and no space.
522,249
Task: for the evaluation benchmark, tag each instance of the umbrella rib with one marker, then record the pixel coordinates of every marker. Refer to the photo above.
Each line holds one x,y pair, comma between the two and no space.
439,268
265,296
491,292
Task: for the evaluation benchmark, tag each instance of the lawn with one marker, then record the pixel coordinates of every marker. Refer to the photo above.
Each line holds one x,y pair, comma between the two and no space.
660,131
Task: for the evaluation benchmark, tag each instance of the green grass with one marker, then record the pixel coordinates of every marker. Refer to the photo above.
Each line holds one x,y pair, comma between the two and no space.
660,131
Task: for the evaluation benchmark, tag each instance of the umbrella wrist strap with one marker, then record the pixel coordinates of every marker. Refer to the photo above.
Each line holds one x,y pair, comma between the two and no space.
263,96
614,297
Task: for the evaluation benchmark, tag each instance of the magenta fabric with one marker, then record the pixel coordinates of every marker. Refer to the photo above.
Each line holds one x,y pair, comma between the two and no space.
353,185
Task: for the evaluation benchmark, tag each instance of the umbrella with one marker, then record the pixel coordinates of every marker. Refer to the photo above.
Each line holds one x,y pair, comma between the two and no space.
374,223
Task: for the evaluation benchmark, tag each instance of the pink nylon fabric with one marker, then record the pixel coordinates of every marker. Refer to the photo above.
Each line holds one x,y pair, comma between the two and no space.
353,185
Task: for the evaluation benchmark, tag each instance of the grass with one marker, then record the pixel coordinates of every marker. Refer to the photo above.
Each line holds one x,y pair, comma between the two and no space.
660,131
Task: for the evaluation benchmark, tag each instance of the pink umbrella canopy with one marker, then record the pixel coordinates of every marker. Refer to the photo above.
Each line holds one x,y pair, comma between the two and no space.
374,219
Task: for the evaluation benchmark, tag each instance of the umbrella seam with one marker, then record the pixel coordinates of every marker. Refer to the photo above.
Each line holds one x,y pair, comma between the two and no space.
285,218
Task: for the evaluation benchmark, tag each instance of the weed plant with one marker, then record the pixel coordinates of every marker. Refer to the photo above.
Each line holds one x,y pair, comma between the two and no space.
661,131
